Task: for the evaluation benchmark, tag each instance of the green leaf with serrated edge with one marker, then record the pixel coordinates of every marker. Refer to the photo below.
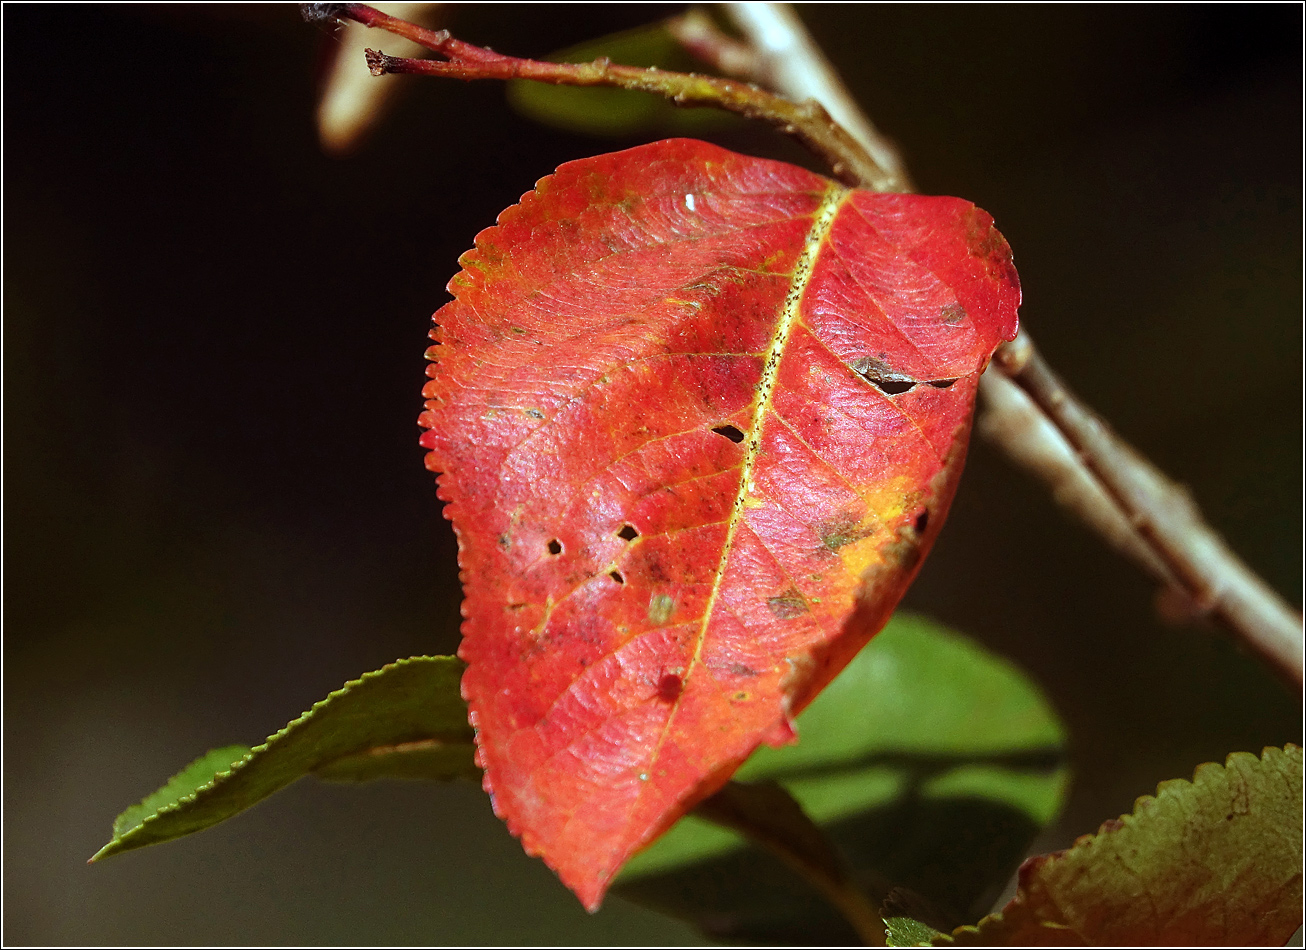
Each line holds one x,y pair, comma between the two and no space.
926,745
905,932
1214,861
407,701
186,782
617,112
910,919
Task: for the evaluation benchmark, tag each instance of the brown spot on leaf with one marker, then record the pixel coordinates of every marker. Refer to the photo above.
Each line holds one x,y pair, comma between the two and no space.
870,366
903,552
953,314
842,532
787,605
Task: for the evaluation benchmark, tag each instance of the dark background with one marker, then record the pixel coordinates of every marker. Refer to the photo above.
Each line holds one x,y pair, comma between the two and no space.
215,508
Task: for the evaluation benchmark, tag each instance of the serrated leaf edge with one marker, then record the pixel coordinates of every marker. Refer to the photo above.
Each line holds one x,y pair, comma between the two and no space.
114,845
1107,827
182,771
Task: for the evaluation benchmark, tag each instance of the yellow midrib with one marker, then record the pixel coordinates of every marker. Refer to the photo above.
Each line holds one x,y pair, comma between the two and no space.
822,221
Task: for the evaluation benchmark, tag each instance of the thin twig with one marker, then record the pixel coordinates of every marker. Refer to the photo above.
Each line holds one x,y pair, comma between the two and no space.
1164,515
1013,422
1017,425
794,65
807,121
352,101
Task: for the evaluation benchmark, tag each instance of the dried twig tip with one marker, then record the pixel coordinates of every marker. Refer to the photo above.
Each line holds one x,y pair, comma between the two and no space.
377,62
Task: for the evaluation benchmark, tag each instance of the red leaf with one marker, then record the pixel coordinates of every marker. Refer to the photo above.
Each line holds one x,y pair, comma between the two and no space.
699,416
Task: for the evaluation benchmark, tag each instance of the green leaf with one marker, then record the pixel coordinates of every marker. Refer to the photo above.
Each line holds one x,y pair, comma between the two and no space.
617,112
406,718
930,762
184,783
424,759
910,920
906,932
1214,861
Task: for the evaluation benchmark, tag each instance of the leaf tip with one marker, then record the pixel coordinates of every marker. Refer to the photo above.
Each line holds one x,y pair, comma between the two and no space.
108,850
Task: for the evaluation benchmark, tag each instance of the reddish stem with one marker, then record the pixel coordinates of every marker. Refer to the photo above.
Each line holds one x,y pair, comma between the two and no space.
807,121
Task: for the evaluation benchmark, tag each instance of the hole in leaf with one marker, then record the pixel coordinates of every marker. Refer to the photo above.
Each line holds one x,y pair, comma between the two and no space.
555,546
922,521
730,432
893,387
616,576
941,383
628,533
879,374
